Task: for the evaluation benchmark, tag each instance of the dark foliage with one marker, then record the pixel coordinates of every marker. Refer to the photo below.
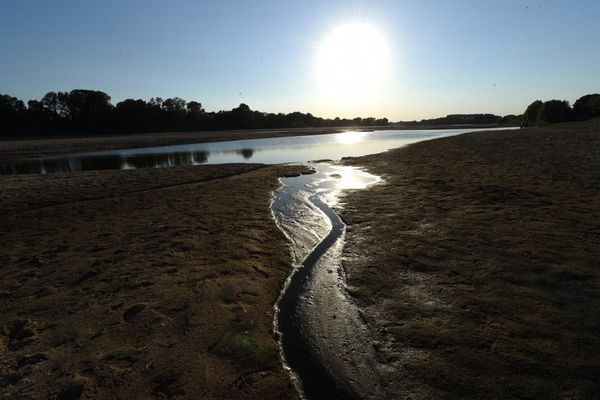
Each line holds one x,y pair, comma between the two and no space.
12,112
551,111
555,111
531,113
464,119
456,119
90,111
587,107
511,119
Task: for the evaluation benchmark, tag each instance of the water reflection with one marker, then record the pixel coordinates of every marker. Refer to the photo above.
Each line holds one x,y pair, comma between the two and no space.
269,151
246,153
351,137
85,162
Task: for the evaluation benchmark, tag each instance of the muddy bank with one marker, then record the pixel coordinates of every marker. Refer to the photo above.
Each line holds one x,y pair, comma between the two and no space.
476,262
141,284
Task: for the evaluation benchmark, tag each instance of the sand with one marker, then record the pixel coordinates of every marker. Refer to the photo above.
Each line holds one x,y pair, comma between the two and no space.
153,283
476,263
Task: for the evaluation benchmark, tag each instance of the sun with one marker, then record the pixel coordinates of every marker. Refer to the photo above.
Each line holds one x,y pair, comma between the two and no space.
352,62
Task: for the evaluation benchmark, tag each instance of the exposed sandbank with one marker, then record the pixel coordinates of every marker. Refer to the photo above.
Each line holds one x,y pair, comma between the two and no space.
141,284
476,261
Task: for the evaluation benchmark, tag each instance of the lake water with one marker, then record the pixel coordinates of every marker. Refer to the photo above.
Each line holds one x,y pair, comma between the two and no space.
269,151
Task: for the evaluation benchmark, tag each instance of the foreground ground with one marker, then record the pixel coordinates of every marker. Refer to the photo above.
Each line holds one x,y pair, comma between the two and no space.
477,263
154,283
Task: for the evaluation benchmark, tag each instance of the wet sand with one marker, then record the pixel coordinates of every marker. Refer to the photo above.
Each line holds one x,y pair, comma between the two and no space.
150,283
476,264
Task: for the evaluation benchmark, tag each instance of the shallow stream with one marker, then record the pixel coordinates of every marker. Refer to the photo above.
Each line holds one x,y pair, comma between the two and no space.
324,341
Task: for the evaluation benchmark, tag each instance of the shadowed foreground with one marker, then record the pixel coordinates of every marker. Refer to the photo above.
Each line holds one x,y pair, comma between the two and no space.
153,283
477,262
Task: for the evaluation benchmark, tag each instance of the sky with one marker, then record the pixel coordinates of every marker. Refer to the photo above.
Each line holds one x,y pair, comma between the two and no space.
440,57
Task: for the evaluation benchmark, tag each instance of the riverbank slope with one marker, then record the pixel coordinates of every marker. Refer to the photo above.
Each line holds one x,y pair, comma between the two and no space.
149,283
476,263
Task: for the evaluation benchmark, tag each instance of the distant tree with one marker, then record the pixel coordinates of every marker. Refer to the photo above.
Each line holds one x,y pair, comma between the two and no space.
89,109
56,103
156,101
134,116
511,119
463,119
12,114
194,107
531,113
195,118
241,117
174,104
587,106
84,111
555,111
174,113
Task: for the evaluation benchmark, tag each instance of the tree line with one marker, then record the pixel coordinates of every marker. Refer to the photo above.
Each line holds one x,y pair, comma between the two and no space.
552,111
91,111
458,119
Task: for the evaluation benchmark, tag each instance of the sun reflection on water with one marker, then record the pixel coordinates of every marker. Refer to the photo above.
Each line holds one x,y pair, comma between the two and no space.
350,137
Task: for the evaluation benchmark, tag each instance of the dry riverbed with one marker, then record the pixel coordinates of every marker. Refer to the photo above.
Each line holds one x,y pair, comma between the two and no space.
152,283
477,263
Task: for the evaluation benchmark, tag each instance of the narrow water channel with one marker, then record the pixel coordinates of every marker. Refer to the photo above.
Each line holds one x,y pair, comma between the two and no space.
324,342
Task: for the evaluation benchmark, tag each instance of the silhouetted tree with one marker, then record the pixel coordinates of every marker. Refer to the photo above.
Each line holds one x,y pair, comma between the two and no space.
12,113
89,109
134,116
511,119
56,103
555,111
531,113
587,106
463,119
81,111
242,117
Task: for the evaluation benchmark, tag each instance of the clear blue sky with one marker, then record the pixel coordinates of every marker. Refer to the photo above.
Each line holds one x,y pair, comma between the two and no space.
445,56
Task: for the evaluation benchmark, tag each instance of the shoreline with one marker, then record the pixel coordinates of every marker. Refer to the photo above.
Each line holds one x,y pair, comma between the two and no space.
12,149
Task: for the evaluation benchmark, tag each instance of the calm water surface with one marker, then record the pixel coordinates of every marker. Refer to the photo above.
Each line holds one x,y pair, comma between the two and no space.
269,151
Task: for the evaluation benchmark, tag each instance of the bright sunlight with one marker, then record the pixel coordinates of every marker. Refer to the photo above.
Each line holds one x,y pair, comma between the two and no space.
353,63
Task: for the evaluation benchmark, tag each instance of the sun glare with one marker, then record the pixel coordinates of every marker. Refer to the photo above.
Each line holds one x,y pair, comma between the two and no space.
350,137
352,63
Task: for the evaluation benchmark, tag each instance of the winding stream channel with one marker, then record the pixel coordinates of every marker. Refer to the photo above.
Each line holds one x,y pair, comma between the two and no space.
324,342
